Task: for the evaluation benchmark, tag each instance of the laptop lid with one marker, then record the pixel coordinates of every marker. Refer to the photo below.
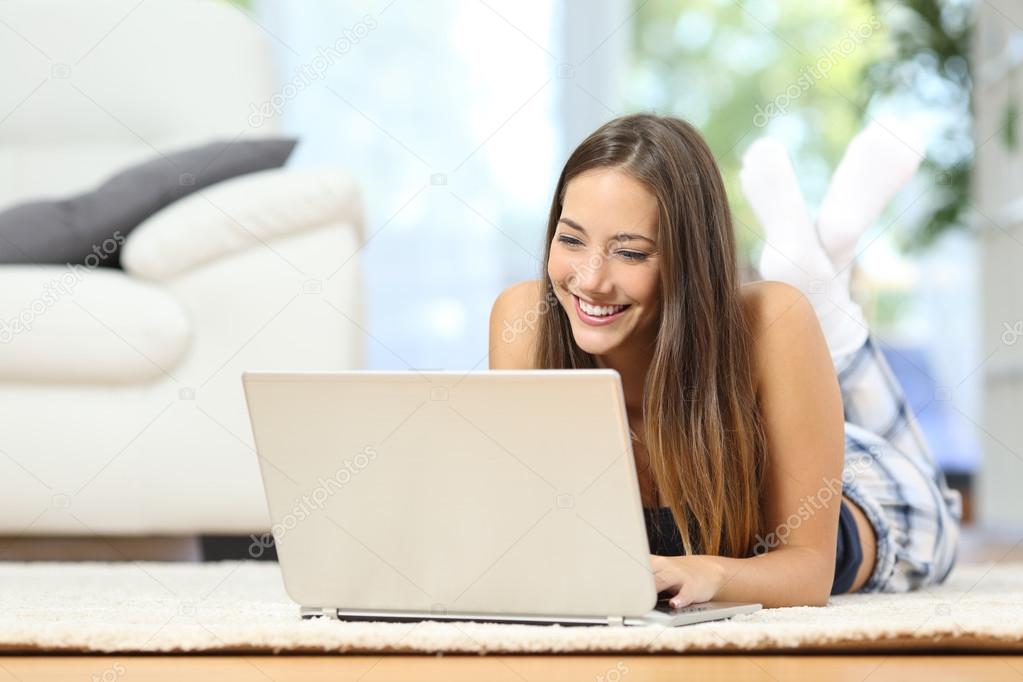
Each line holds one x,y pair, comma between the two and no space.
504,491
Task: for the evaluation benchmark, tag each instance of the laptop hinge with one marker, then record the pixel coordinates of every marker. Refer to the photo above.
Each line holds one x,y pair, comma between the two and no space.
616,620
316,611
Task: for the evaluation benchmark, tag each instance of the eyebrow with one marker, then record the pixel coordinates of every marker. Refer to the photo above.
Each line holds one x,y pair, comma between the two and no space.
621,236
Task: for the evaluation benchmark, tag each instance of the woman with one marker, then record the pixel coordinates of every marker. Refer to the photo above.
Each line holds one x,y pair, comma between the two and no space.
734,398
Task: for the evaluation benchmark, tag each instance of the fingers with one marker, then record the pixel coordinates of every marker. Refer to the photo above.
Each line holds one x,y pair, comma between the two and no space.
667,578
671,581
663,582
663,573
680,600
668,584
667,581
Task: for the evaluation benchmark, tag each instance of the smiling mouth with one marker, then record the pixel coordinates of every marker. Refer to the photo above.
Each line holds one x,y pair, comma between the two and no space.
598,314
593,303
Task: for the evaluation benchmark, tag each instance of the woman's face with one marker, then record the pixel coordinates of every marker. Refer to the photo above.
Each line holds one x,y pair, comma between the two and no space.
604,252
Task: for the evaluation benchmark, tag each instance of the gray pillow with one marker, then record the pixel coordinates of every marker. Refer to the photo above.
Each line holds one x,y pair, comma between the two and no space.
90,228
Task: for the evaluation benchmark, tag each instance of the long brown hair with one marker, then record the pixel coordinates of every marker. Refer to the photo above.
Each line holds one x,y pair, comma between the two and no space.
702,426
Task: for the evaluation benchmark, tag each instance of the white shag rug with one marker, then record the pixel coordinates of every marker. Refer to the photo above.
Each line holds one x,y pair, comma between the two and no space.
242,607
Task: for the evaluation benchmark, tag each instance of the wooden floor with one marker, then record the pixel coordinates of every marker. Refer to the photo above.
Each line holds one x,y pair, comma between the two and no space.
515,668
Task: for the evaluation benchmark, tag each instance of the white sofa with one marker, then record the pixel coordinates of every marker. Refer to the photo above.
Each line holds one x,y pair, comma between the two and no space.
121,400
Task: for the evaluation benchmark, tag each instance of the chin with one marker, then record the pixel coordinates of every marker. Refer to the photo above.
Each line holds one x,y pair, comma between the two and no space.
588,342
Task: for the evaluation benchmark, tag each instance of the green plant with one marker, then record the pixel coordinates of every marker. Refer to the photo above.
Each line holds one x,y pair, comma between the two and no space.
734,70
929,65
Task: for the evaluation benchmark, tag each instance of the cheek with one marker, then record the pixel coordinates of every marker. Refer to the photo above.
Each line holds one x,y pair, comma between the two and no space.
558,266
647,290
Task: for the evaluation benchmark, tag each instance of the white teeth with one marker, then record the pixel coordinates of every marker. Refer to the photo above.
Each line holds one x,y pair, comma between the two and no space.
599,310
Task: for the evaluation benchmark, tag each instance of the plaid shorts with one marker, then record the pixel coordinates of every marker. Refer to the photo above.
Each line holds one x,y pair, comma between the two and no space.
891,475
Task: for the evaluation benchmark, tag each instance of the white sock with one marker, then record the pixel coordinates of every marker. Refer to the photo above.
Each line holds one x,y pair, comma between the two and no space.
792,252
841,318
769,183
877,163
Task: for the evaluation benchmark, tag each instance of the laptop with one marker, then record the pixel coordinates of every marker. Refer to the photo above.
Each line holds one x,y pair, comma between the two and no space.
505,496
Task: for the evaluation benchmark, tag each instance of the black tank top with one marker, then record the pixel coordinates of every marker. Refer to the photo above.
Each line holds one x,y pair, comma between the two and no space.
665,540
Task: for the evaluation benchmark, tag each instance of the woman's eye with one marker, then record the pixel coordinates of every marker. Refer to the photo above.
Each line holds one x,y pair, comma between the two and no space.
628,255
633,255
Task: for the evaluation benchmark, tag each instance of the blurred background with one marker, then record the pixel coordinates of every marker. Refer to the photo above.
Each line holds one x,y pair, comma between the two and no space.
455,117
472,108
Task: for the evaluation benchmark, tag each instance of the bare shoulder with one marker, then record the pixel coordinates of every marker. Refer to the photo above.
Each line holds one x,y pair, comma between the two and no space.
513,321
781,319
767,303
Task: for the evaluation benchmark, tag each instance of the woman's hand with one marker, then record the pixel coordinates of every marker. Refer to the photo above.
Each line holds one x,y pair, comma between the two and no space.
689,579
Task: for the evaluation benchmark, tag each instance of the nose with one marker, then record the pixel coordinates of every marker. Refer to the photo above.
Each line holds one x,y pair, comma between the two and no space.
591,276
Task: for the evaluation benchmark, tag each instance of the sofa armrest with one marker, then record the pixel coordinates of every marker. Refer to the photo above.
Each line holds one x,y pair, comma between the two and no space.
239,213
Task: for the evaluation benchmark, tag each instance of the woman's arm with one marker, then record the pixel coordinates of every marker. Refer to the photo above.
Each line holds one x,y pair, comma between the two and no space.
803,420
774,579
801,404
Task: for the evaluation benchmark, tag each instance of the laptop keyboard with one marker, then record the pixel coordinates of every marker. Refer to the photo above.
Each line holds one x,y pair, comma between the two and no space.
665,607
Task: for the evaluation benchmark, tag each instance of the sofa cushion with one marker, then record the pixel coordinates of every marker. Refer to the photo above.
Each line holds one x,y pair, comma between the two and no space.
69,324
239,213
90,228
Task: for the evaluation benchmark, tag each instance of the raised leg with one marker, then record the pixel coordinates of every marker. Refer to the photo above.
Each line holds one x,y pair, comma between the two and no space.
792,252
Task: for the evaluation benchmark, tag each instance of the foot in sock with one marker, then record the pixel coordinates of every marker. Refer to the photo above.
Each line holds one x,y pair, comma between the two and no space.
770,185
792,252
877,163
